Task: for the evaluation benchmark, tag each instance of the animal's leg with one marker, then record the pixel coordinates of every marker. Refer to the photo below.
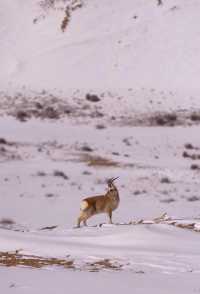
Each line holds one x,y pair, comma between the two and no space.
80,219
110,216
85,222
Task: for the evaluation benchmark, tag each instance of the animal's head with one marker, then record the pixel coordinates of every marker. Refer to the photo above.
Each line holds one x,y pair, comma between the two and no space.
111,186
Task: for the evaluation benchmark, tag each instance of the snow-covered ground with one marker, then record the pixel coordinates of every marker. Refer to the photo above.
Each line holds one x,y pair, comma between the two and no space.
48,166
58,145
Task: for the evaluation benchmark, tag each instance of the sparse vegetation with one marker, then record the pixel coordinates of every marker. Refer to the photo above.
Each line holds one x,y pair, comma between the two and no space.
193,198
165,180
48,228
194,167
195,116
189,146
92,98
50,195
22,115
168,200
3,141
98,161
41,174
104,264
165,119
61,174
159,2
100,127
16,259
66,19
86,148
13,259
7,222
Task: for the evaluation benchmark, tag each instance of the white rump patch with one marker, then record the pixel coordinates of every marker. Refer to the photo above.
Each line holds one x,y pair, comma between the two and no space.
84,205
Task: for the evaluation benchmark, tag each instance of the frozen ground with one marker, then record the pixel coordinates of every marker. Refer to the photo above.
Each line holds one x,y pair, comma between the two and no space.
58,144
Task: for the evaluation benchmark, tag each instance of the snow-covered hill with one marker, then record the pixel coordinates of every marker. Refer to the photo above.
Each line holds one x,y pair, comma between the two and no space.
93,89
106,45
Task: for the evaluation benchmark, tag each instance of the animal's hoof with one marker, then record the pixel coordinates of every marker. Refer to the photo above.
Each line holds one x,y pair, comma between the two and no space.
76,227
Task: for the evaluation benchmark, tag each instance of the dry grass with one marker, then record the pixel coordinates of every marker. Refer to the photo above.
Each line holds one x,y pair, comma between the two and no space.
107,264
15,259
189,226
98,161
66,19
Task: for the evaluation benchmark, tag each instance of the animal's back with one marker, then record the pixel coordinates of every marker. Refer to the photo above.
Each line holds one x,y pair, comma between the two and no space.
98,203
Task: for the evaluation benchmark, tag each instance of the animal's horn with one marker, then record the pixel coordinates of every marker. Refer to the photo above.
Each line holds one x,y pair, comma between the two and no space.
113,179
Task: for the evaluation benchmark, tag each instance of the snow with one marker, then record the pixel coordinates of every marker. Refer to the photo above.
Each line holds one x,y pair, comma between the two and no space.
106,41
148,248
151,250
26,281
141,60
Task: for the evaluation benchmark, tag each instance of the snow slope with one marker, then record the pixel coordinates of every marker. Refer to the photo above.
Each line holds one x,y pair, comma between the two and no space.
23,281
141,59
107,45
148,248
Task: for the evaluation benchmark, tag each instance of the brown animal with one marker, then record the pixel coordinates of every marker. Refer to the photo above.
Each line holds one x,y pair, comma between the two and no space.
100,204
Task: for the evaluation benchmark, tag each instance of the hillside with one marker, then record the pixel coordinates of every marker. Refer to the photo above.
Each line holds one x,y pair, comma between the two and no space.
90,90
106,45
